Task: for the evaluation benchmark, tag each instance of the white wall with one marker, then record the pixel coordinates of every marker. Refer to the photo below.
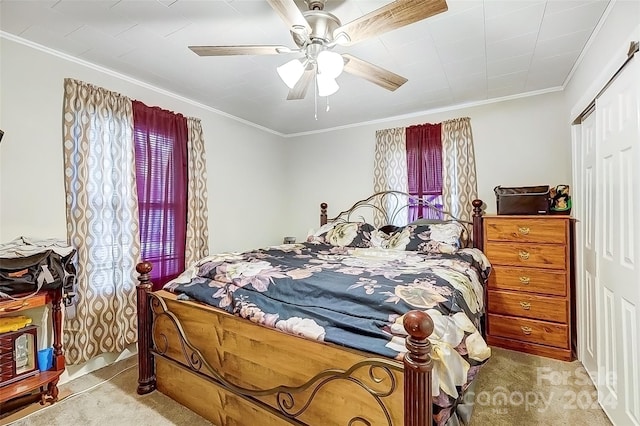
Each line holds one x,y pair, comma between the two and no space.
518,142
605,54
252,173
245,179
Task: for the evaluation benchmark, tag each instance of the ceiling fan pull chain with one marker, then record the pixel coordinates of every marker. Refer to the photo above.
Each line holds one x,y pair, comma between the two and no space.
315,94
328,108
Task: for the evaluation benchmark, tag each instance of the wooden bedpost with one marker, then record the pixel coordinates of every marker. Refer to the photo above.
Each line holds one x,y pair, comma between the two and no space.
323,214
146,371
478,242
478,237
418,408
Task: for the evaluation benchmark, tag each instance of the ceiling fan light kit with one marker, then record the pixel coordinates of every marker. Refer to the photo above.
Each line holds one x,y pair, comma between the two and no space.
327,85
316,32
330,63
291,72
329,66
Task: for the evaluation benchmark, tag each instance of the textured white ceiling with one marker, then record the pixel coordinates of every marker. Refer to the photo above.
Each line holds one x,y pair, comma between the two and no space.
475,51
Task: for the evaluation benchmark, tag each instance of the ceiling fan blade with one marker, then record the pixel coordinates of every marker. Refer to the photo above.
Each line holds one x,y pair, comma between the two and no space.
300,89
290,14
373,73
387,18
239,50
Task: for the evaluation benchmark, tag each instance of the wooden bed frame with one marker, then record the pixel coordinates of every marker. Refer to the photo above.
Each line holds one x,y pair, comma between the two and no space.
235,372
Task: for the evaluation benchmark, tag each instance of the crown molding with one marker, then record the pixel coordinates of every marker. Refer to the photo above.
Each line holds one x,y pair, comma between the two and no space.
129,79
430,111
108,71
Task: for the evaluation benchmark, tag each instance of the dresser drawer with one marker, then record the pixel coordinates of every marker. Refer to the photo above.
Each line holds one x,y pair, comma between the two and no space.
531,255
6,367
544,281
528,330
529,306
6,343
6,375
526,230
6,357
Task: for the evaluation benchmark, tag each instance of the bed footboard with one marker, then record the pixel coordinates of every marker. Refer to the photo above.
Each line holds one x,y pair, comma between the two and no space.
417,364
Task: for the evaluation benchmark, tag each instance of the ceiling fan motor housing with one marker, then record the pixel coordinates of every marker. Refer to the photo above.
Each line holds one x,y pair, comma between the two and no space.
316,33
322,24
315,4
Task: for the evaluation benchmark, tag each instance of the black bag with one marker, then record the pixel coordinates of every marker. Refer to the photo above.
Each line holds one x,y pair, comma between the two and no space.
522,199
29,274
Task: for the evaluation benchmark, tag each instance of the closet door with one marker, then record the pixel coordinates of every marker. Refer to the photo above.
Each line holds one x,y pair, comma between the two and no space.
618,247
588,276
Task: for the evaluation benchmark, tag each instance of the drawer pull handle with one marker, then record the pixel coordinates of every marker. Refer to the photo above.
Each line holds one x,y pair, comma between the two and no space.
526,330
525,305
523,254
14,307
523,230
525,280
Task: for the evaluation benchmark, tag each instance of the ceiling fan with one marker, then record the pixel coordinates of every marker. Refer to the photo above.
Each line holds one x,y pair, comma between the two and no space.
316,32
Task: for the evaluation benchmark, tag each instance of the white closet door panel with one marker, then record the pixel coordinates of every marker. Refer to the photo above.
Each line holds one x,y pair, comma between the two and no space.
630,331
586,226
618,245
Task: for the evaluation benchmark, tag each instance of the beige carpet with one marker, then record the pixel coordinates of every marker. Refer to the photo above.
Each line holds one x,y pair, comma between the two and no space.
112,403
513,389
519,389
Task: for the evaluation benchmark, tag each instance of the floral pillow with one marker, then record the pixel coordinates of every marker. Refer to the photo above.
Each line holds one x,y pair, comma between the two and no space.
432,238
344,234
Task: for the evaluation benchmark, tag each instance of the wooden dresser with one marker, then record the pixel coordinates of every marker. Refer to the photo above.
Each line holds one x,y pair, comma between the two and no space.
530,291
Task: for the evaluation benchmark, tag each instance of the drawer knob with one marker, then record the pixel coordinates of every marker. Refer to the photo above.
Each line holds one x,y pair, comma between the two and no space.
526,330
523,254
525,305
525,280
523,230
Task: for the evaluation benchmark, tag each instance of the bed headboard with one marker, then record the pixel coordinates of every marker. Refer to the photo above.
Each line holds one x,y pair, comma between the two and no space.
389,205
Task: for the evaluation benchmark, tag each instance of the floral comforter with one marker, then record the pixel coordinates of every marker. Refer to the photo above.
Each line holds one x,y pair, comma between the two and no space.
356,297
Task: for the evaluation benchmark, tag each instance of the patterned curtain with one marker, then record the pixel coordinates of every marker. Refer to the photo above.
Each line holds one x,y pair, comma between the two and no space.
102,219
459,168
197,244
390,171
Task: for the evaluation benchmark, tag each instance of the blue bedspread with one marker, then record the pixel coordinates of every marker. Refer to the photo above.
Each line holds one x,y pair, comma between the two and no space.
356,297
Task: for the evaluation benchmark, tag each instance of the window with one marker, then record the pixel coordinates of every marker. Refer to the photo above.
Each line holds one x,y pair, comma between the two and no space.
432,161
160,139
424,170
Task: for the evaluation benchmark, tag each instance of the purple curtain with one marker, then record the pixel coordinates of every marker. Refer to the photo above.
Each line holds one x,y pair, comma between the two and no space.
160,138
424,168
